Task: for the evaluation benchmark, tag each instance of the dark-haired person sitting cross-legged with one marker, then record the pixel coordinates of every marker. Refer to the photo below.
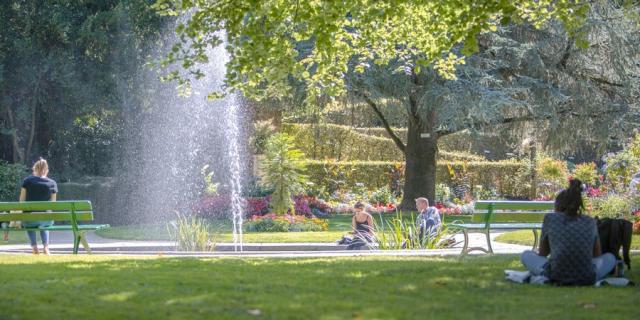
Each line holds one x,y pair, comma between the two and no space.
569,252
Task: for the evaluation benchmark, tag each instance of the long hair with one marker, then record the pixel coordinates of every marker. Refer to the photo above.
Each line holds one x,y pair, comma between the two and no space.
569,201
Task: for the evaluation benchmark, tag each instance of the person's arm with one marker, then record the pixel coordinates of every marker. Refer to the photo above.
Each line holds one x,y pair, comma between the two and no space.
353,224
23,194
544,248
597,249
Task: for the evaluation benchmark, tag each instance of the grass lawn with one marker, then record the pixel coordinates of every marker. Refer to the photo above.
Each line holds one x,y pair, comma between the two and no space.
338,226
525,237
99,287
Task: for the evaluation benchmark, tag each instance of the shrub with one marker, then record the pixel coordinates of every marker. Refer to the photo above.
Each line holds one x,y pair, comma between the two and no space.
213,207
343,143
284,223
611,206
10,177
381,196
552,175
283,169
262,130
586,172
502,176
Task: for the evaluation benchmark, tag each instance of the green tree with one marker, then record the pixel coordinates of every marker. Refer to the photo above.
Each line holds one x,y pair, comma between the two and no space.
419,55
283,171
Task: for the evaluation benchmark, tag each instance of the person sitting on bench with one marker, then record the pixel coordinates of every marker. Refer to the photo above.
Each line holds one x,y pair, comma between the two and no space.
38,187
570,240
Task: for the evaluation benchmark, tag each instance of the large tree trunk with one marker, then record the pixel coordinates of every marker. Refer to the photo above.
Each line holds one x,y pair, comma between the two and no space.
420,170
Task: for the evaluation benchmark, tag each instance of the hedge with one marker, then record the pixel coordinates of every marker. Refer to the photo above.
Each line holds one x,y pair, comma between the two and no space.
11,176
504,176
343,143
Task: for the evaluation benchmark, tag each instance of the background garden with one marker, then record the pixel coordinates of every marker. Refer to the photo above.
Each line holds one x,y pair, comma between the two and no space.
533,105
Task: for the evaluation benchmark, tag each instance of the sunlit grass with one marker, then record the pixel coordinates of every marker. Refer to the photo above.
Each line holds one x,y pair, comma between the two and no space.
525,237
101,287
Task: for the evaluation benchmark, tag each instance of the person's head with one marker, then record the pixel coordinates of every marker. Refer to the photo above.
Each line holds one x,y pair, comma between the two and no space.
422,204
358,207
40,168
569,201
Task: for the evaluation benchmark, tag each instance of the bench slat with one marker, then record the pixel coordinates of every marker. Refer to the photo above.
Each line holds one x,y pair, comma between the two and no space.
55,216
515,205
46,205
510,217
81,227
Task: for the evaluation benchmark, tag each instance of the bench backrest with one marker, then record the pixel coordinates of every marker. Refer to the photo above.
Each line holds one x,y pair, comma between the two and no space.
73,211
488,211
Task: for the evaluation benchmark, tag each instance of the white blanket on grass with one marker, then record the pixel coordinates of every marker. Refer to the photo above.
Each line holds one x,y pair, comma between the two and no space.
526,277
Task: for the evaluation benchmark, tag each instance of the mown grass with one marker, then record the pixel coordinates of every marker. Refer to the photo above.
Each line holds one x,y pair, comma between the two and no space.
99,287
525,237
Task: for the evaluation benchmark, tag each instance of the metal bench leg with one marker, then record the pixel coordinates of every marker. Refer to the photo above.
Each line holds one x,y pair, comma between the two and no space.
76,243
85,244
466,242
488,234
535,239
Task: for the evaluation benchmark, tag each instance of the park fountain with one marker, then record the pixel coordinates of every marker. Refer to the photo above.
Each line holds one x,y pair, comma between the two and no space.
171,138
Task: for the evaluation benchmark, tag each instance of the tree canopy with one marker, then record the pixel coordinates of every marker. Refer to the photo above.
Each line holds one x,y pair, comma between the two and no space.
273,43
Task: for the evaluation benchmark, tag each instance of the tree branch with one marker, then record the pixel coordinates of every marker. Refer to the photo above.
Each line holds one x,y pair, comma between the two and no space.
385,123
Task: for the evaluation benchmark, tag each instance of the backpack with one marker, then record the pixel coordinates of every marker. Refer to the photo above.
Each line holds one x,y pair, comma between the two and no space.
615,233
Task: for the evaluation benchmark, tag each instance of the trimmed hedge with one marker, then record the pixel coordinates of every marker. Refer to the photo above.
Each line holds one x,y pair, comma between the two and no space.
504,176
343,143
11,176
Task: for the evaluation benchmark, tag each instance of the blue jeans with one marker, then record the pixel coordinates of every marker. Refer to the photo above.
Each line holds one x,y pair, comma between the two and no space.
44,234
535,264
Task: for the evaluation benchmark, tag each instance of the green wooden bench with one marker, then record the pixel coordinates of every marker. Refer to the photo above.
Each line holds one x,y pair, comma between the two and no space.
58,211
503,215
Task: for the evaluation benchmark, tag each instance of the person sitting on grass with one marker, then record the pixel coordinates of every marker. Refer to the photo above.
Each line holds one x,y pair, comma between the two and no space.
38,187
569,252
362,224
428,220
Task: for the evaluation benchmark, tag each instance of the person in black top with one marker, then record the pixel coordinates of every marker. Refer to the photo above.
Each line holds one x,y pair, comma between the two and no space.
38,187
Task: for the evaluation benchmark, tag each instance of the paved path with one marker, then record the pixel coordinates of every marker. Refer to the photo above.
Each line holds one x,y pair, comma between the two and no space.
61,242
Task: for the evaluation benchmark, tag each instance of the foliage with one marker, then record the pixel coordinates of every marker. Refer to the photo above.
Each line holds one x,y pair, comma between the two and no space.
443,193
211,188
586,172
213,207
382,196
283,169
191,233
552,175
10,177
502,176
620,167
262,130
343,143
400,232
317,42
284,223
59,57
610,206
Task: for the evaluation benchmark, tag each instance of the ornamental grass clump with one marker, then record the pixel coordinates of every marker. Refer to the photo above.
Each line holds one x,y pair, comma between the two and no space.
191,233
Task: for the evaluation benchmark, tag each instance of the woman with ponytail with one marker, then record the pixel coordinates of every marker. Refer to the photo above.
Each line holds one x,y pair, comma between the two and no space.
38,187
569,252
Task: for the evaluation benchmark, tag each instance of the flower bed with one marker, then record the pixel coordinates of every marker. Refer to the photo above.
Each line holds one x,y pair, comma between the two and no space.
285,223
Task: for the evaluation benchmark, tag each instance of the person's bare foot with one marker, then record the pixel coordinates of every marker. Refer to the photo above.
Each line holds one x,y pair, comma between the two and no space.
46,250
35,250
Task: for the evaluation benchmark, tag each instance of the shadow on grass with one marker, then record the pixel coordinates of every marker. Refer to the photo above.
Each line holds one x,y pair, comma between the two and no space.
329,288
